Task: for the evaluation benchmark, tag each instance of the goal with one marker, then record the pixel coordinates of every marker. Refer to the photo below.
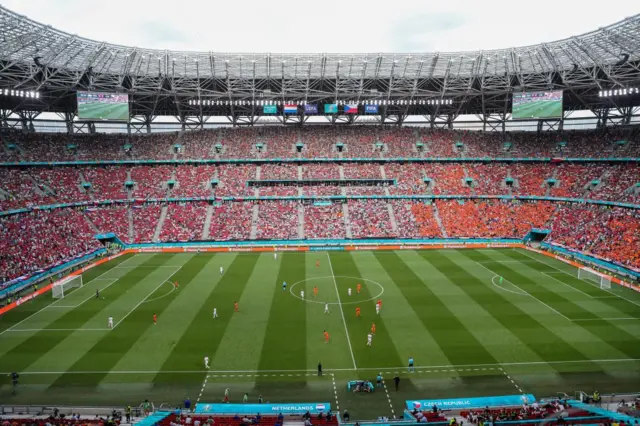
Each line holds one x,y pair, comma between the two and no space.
589,274
65,285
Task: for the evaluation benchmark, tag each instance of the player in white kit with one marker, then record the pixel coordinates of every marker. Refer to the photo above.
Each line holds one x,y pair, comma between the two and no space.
206,362
275,255
377,309
221,270
215,312
369,337
110,322
326,308
349,291
301,294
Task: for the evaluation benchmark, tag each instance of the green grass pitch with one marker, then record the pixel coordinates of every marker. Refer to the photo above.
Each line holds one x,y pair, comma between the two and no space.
103,111
539,109
541,330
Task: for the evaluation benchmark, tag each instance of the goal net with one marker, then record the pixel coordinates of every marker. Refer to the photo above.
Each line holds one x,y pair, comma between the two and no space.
65,285
588,274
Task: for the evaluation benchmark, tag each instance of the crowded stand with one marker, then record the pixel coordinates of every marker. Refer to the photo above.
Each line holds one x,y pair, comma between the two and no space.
19,190
184,222
197,144
324,221
488,179
107,183
415,219
449,179
409,179
231,221
145,221
193,181
63,181
36,240
233,180
530,179
399,142
370,219
361,171
150,182
157,146
492,219
320,171
612,233
278,220
114,218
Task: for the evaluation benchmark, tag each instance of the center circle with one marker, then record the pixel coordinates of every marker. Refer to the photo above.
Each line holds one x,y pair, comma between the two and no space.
334,277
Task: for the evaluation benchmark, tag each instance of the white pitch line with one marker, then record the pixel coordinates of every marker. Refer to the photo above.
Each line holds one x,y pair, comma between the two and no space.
433,368
513,382
344,321
565,284
528,294
25,330
587,282
204,385
386,390
335,392
143,300
607,319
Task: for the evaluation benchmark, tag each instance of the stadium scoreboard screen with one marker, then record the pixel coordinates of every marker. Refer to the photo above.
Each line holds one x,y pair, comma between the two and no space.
531,105
103,106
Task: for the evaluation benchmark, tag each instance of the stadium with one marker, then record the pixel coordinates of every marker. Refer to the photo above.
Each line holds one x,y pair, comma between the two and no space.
389,238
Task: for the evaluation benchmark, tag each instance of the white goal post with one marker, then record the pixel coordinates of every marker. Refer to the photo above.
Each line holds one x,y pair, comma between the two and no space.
589,274
65,285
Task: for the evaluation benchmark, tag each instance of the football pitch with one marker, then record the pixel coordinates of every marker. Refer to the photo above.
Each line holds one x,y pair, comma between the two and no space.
103,111
538,109
539,330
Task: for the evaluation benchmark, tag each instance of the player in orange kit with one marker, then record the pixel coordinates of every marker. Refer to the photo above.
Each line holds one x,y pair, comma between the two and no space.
235,306
315,292
317,263
373,328
155,319
358,288
357,312
326,337
176,285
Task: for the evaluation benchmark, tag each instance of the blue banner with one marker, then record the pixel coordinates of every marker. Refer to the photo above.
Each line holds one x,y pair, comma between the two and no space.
311,109
459,403
265,409
371,109
330,108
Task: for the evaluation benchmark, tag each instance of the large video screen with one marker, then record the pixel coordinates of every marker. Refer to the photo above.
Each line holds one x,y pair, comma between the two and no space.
103,106
537,105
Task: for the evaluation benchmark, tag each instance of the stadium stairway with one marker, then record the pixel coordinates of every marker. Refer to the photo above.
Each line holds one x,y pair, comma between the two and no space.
300,222
81,188
130,222
347,221
341,170
436,215
299,172
254,221
207,222
554,175
163,216
392,219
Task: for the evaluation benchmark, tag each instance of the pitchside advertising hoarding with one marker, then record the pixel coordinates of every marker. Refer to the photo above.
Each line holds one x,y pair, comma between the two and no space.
264,409
465,403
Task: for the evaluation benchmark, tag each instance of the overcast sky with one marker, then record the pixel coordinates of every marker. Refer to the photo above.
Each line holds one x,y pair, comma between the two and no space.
325,26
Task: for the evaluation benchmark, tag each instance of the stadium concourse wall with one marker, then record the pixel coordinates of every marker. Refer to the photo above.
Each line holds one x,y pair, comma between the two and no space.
321,245
94,203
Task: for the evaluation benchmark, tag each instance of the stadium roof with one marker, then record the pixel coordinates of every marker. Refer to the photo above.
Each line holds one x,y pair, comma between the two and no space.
41,58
